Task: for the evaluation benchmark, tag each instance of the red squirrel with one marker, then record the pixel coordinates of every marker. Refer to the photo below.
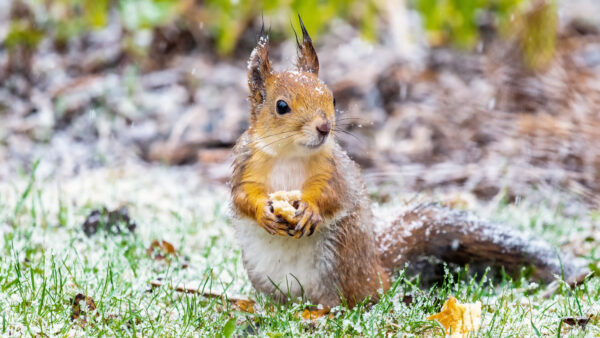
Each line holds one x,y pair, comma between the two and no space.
328,250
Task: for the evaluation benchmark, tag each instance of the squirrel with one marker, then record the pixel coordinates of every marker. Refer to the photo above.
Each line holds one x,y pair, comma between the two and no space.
329,252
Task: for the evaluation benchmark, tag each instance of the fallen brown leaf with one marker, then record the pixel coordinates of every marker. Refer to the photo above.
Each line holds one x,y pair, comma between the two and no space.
244,305
76,306
160,250
315,314
577,321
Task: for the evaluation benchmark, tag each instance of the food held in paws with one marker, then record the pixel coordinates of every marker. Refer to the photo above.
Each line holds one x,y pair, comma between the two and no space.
283,203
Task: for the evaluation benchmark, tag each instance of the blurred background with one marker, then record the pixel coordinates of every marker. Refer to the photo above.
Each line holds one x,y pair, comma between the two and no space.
484,98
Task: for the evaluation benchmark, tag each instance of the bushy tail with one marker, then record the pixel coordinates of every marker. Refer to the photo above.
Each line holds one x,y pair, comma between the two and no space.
429,233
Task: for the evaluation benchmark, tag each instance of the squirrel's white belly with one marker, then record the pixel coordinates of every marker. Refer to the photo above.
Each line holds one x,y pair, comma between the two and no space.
287,174
277,263
287,264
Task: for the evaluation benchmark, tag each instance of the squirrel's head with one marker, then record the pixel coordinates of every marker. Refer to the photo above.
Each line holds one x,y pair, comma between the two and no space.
292,112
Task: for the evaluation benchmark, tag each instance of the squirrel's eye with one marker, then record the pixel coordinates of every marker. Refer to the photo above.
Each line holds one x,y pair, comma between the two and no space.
282,107
334,102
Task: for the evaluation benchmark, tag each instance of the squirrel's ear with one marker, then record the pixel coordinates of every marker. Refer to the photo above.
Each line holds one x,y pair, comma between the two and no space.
307,56
259,68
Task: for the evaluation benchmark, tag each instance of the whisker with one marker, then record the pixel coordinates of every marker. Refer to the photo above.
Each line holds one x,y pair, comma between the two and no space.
349,133
272,135
353,122
352,118
278,140
340,129
349,124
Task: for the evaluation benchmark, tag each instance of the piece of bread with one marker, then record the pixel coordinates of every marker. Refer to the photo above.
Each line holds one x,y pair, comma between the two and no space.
290,196
283,203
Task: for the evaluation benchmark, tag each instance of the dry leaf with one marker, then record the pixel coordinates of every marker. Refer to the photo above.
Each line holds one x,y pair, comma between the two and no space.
76,308
459,319
407,300
244,305
160,250
577,321
314,314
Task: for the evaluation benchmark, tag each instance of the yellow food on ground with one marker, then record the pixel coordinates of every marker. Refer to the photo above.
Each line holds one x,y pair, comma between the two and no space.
459,319
245,305
282,203
316,314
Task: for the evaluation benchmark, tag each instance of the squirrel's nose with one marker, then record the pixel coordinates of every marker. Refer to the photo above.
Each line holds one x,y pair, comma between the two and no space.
324,128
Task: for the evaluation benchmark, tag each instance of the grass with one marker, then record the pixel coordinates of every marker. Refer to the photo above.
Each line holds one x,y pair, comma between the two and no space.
46,260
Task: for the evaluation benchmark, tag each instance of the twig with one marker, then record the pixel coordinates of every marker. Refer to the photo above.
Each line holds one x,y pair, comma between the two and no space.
571,283
243,303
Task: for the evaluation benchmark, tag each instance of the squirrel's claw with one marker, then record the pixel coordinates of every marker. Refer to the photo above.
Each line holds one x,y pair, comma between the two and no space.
305,221
272,223
309,219
275,228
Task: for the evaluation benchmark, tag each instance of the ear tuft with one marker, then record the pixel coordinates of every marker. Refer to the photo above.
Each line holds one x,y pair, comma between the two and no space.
307,56
259,69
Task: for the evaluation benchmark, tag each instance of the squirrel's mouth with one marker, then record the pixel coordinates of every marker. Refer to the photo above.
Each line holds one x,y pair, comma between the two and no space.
314,145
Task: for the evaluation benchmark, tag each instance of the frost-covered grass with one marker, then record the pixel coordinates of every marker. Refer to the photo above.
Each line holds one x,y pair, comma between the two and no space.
46,259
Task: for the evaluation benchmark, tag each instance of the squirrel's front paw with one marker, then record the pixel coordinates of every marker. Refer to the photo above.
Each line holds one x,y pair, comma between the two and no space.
308,217
273,223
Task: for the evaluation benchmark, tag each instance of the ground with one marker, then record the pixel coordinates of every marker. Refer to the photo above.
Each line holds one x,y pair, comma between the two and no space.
47,260
93,141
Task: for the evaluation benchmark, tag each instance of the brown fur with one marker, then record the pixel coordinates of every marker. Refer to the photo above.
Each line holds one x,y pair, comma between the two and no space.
355,262
307,56
431,230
